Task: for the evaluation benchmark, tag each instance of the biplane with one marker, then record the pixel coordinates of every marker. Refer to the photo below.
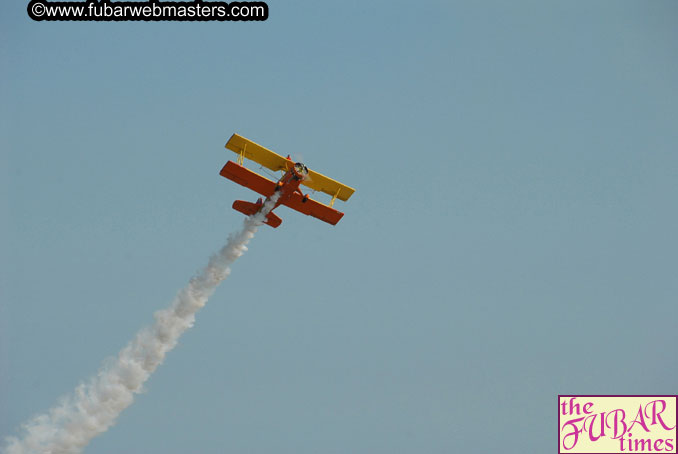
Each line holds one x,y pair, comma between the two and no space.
287,187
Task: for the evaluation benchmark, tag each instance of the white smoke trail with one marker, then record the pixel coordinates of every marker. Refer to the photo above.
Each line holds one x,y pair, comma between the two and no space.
94,406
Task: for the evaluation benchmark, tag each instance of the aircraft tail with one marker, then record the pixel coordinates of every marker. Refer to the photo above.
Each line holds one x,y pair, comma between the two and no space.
246,208
249,208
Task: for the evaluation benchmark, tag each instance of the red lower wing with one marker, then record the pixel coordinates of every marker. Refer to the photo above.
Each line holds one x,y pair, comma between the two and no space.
313,208
247,178
266,187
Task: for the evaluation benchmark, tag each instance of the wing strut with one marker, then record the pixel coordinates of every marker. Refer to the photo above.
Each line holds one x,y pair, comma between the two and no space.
241,155
334,197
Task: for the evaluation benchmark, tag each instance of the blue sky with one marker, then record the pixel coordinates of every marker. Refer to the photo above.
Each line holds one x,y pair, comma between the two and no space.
512,236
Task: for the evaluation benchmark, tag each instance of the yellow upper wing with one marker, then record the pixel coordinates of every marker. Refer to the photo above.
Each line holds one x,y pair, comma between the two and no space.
319,182
257,153
275,162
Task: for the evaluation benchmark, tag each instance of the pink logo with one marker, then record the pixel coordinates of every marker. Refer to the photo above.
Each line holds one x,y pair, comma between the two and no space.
617,424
